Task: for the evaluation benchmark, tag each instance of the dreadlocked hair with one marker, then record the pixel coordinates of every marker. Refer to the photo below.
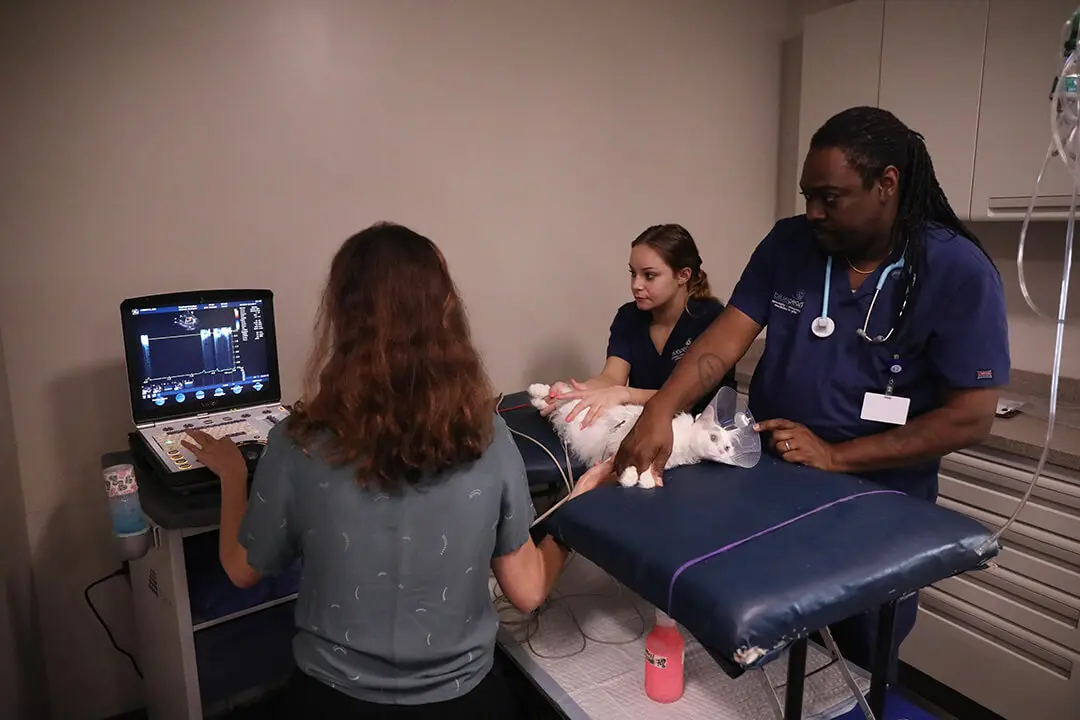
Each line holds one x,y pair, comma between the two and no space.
872,139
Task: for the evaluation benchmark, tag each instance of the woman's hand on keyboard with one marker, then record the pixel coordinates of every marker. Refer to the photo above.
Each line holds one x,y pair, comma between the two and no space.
222,456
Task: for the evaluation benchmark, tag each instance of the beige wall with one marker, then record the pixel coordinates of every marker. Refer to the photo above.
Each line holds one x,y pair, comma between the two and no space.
151,147
1031,338
21,667
797,10
789,163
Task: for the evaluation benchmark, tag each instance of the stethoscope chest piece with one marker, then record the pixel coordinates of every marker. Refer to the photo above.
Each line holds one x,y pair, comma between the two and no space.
822,326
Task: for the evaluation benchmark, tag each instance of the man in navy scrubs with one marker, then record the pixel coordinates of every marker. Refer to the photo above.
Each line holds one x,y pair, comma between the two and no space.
887,333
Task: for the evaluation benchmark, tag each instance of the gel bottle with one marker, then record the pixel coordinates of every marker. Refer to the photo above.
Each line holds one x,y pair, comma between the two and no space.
665,650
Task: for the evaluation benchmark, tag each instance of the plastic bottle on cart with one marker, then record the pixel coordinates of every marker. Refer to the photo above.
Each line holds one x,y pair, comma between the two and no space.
665,651
124,506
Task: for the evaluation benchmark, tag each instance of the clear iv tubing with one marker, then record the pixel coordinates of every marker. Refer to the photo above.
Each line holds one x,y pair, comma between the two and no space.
1064,114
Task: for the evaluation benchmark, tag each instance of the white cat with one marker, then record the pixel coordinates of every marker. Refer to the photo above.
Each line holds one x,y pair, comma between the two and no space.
694,439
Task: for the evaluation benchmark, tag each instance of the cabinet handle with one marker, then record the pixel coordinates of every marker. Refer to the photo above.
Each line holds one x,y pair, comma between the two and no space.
1019,205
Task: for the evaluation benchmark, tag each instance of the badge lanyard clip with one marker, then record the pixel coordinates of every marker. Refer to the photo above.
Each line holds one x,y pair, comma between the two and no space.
894,369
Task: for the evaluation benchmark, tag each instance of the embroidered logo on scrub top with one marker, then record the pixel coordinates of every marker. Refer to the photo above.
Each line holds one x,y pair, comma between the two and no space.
984,374
793,305
677,353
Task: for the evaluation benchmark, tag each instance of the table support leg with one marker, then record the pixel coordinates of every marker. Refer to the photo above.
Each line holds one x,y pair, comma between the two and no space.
796,676
845,672
882,660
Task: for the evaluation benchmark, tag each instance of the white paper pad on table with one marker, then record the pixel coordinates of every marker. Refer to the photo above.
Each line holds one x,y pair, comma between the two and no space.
603,677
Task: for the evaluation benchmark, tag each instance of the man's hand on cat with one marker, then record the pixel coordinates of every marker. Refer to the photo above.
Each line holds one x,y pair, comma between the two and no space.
647,445
595,401
794,443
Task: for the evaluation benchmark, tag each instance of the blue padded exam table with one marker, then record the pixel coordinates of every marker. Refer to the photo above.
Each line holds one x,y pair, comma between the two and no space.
753,561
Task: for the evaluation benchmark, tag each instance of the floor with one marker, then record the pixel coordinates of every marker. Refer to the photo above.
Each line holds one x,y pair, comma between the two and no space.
918,698
899,707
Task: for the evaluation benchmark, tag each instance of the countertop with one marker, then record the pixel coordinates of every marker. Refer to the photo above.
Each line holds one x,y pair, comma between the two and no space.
1022,434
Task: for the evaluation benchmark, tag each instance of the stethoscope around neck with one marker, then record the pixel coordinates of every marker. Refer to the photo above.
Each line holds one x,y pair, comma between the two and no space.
823,325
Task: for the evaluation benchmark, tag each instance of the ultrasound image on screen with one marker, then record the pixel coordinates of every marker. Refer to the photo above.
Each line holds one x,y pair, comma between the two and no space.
201,351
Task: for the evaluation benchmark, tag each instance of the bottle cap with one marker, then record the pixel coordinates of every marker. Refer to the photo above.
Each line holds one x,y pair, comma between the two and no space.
663,620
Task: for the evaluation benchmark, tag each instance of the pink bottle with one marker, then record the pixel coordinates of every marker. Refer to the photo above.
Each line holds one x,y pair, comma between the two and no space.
665,651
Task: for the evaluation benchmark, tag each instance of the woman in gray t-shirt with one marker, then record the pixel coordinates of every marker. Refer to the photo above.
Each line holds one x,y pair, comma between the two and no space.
399,487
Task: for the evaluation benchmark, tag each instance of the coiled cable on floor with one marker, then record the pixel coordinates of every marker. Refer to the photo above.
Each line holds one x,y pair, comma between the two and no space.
524,627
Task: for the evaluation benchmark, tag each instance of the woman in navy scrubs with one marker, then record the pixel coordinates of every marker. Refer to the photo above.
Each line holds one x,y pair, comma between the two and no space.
672,306
887,336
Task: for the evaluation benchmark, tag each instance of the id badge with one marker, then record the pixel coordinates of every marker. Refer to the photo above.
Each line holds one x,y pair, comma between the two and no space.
891,409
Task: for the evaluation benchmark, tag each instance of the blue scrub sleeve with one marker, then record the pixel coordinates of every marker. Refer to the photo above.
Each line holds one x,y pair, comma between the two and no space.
712,310
266,531
516,511
620,334
753,293
969,347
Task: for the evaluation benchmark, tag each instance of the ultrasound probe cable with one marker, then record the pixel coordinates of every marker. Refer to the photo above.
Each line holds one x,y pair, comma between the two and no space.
567,475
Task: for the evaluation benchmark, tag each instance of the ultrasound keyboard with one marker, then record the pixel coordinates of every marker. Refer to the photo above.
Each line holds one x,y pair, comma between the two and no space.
243,427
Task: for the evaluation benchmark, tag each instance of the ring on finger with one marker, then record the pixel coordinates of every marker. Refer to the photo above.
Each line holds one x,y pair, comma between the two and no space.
787,445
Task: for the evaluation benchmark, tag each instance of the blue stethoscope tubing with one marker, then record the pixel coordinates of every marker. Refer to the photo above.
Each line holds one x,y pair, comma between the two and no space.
823,325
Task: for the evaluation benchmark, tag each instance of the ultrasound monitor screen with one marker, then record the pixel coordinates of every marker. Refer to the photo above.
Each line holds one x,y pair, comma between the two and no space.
190,357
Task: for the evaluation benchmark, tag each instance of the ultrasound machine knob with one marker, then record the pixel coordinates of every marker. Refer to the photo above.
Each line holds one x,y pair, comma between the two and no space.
252,452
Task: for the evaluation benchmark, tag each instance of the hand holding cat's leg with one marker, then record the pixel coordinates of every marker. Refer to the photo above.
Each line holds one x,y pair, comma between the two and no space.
647,479
596,402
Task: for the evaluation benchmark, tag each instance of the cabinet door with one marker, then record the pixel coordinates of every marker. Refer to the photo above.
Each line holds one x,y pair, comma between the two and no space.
841,64
1008,637
1023,54
931,72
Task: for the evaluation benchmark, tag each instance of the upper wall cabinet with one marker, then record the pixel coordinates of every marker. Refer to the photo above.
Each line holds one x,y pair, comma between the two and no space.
1023,51
931,67
973,76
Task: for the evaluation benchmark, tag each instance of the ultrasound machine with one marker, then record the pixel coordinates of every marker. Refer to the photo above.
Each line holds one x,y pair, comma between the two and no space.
203,360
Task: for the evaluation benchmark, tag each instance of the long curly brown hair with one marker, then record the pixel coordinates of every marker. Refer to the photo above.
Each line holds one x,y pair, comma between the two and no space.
394,384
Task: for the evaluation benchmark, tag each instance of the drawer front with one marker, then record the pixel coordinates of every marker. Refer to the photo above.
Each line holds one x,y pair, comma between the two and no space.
1008,637
995,665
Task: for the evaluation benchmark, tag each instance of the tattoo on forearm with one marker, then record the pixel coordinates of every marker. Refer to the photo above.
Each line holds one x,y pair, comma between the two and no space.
711,370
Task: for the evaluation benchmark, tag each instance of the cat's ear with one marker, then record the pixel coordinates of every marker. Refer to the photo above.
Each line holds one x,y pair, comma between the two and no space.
708,417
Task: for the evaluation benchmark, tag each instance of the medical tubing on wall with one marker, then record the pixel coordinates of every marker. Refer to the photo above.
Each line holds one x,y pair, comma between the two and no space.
1055,372
1023,238
1063,116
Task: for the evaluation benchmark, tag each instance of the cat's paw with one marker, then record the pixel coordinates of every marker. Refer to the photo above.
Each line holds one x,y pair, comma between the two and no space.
538,392
646,479
629,477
